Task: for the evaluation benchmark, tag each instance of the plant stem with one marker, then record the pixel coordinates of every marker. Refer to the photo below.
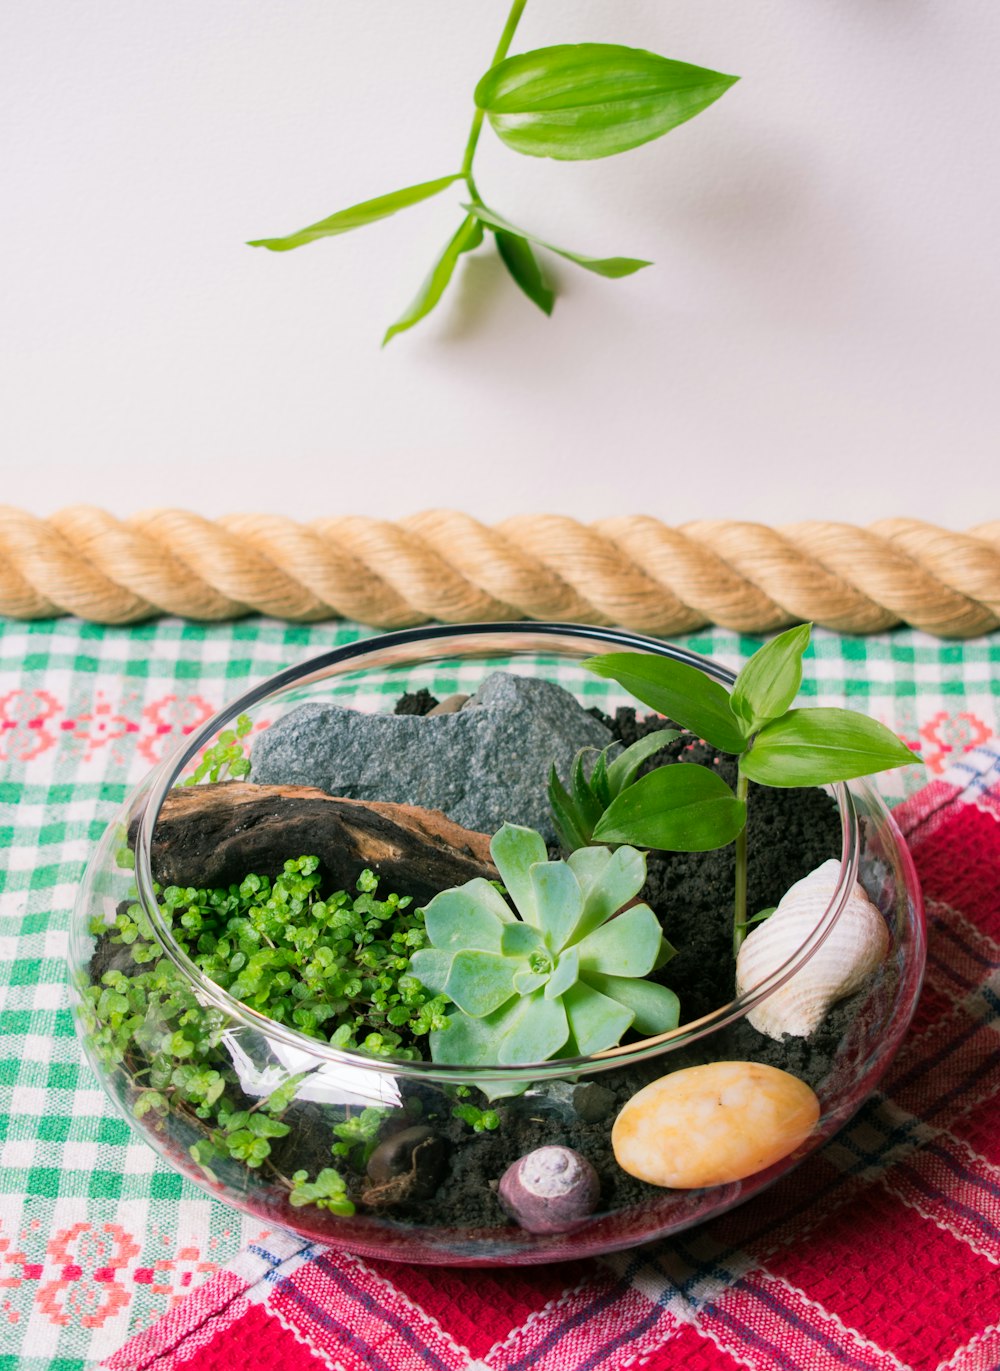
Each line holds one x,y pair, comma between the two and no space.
740,885
506,38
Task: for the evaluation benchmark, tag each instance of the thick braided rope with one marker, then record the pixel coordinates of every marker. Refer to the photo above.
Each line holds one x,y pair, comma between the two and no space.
444,565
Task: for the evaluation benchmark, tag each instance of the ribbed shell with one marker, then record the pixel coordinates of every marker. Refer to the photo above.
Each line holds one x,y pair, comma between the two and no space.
857,944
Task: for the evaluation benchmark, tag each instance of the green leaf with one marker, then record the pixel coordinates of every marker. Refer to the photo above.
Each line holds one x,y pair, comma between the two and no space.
770,680
595,1021
587,100
656,1009
567,821
368,212
613,267
585,801
520,940
627,946
599,783
678,691
558,901
679,808
516,255
480,982
623,770
470,915
818,746
468,236
534,1029
608,881
566,973
432,967
467,1042
515,850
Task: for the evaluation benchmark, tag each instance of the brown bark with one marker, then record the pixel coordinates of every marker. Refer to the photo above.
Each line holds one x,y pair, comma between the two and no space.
214,835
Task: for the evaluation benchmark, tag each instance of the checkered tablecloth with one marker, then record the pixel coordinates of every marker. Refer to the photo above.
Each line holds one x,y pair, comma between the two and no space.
97,1238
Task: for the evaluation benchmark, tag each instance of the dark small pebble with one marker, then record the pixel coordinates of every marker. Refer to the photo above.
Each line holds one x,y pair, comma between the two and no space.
594,1102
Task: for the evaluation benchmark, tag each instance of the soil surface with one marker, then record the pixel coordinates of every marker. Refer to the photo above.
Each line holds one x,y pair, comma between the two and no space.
790,832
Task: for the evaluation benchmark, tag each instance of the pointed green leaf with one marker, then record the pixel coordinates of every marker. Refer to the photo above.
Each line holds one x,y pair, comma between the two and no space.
819,746
566,974
679,808
584,800
480,982
770,680
627,946
678,691
597,1022
667,953
533,1030
558,902
470,915
623,770
586,100
431,968
515,850
468,236
368,212
599,783
516,255
567,821
610,884
656,1009
613,267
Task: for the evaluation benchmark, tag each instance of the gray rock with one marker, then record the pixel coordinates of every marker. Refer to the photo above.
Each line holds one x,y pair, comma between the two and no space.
594,1102
483,765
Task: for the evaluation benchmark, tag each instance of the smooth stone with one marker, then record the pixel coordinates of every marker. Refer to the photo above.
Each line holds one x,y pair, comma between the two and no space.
485,764
713,1124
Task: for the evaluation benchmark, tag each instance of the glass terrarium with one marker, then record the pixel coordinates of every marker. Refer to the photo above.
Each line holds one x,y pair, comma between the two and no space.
382,1151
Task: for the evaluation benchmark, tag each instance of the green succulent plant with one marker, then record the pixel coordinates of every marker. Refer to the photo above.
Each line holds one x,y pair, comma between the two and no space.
563,976
577,811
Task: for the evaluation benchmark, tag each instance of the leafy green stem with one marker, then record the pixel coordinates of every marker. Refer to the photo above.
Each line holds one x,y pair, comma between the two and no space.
503,47
740,884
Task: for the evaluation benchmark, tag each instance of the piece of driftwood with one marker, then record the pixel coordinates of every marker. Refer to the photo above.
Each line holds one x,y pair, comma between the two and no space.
214,835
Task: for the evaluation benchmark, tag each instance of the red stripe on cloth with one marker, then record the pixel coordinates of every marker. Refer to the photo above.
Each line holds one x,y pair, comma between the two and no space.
950,1184
358,1317
210,1310
258,1342
896,1277
959,864
766,1322
482,1313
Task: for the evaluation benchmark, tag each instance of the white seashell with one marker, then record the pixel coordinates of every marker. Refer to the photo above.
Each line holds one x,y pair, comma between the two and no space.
854,947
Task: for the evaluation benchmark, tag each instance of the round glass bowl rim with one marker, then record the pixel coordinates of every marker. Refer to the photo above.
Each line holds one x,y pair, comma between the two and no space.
418,646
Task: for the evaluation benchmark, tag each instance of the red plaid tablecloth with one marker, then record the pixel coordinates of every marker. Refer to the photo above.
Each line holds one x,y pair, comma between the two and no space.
880,1251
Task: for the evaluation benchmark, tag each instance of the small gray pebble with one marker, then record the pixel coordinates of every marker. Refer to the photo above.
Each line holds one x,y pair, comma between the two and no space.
594,1102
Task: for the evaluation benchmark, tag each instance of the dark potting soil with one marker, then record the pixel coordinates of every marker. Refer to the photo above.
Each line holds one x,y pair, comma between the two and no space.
790,832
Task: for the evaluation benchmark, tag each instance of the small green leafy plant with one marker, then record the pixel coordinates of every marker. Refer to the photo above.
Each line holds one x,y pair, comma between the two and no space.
563,976
313,963
226,757
577,810
569,102
689,808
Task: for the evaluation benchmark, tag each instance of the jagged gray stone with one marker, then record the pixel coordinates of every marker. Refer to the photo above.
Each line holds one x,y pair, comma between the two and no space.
486,764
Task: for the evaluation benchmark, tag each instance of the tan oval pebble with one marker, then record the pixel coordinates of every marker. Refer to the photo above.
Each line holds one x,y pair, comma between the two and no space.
712,1124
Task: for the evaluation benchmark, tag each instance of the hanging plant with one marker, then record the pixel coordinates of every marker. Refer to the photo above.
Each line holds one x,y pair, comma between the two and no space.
572,102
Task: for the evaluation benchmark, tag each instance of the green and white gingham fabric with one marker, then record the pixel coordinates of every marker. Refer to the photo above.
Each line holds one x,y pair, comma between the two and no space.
97,1237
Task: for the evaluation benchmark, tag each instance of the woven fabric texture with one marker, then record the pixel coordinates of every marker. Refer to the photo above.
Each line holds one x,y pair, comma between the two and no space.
98,1239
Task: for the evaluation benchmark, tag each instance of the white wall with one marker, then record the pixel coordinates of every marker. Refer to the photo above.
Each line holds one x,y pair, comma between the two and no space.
819,336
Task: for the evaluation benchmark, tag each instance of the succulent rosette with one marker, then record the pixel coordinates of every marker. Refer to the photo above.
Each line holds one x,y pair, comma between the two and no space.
564,975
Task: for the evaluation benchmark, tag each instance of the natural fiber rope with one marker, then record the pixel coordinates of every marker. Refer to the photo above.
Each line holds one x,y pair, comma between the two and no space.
444,565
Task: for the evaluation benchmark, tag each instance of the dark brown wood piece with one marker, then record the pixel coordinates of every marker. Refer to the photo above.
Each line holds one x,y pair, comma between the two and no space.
214,835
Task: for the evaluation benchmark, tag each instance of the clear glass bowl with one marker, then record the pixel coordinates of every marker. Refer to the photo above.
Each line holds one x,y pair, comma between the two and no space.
255,1055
